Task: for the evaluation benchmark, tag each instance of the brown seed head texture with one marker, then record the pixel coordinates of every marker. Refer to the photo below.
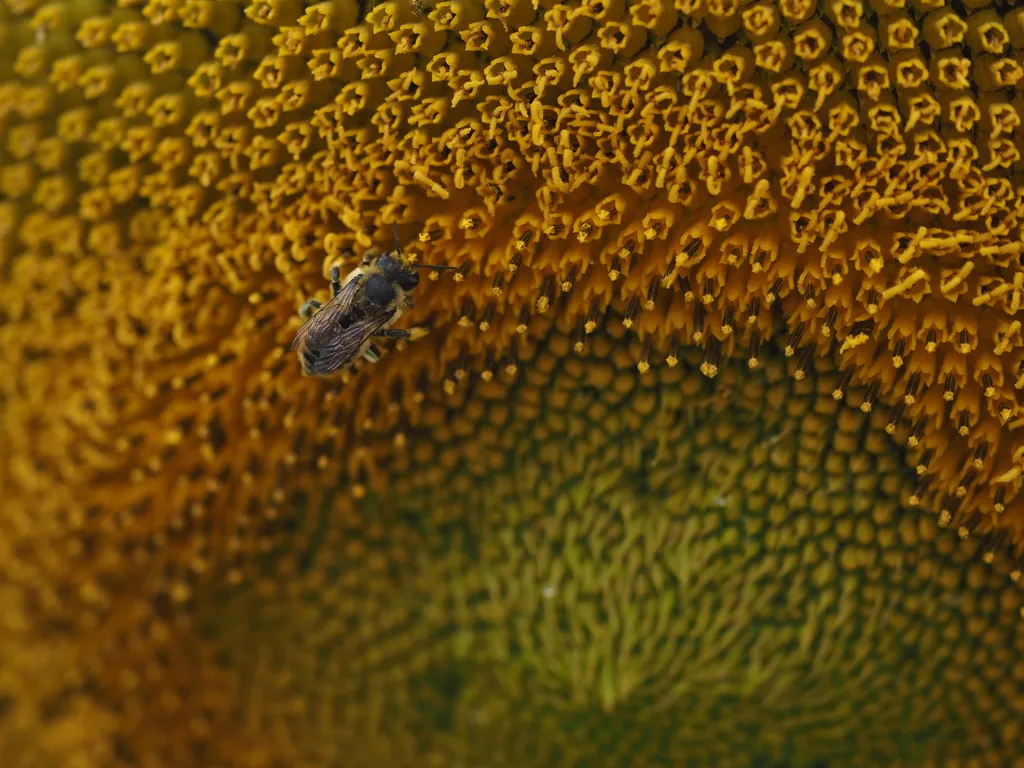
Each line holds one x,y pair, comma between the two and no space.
713,453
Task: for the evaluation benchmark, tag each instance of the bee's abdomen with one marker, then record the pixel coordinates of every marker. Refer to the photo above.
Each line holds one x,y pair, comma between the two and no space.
310,357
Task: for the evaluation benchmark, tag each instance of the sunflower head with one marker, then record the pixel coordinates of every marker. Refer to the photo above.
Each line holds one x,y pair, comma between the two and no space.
714,439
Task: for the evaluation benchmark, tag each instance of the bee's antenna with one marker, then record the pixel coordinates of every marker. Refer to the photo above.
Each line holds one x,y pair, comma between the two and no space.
398,247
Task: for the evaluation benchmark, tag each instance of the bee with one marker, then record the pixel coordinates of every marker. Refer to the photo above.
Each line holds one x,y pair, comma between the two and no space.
372,298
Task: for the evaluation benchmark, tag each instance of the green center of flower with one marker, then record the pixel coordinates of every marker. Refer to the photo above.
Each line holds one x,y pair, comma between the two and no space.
597,567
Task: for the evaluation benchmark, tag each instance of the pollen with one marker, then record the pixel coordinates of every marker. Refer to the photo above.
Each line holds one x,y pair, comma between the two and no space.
763,221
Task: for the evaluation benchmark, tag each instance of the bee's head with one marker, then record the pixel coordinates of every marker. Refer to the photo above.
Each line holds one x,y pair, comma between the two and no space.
395,270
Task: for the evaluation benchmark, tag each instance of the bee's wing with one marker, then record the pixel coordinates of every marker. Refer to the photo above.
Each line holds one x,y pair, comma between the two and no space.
341,346
325,345
326,318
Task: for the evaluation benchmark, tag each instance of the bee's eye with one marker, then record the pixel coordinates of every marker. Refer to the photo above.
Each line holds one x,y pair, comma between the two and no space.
408,280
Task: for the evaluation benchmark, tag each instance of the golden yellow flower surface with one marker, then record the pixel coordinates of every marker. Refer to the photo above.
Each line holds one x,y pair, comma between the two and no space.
735,335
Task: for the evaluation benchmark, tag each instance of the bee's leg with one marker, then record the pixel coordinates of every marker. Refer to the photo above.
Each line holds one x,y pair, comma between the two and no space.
412,334
308,308
335,280
394,333
372,353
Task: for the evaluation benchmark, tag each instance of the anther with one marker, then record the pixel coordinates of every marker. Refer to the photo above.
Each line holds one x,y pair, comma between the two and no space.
965,341
524,240
969,525
580,336
914,439
689,251
422,384
632,310
810,296
994,543
753,350
949,388
708,296
898,352
487,370
698,322
839,391
872,301
468,314
644,364
862,328
830,321
570,279
1005,412
804,362
673,351
512,357
615,270
592,316
947,511
488,317
685,289
654,230
753,310
729,320
757,262
712,353
963,424
547,290
924,461
448,384
461,364
999,501
652,294
794,340
869,397
895,415
919,490
523,323
964,485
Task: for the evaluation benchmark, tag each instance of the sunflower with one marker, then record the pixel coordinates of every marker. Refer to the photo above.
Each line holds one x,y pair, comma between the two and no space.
711,454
